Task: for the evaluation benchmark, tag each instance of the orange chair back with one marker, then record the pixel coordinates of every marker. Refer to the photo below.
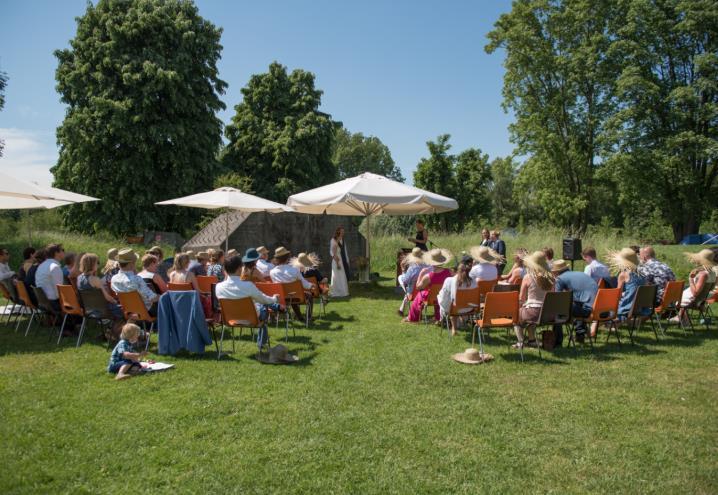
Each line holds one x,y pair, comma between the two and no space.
602,284
179,286
69,302
672,295
205,282
294,292
239,312
271,289
316,292
606,303
433,294
485,286
23,294
5,293
466,299
500,309
133,307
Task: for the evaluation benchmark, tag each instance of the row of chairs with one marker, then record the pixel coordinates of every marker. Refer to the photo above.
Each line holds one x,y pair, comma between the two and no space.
500,309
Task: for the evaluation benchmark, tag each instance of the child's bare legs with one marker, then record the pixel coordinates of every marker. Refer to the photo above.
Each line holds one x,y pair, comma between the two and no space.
124,372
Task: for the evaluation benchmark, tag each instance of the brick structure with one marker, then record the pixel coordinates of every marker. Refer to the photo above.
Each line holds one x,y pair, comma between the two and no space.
295,231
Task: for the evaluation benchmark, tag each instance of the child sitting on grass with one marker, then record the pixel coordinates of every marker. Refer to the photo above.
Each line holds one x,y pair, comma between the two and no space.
124,361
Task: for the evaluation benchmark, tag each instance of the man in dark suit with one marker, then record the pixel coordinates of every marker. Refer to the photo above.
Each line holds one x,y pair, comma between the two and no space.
500,247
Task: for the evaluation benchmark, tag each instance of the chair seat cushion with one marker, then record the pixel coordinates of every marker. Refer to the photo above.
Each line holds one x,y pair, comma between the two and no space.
495,322
239,323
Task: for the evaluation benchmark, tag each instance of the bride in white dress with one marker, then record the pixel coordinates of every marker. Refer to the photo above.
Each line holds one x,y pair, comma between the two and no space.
340,265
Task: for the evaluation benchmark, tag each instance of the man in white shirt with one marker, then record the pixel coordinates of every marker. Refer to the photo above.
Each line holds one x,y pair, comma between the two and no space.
484,264
126,280
49,274
263,264
5,271
236,288
285,273
594,268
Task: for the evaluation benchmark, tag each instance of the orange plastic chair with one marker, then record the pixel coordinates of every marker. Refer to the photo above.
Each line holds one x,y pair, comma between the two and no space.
69,305
466,304
24,296
501,310
294,294
272,289
431,301
179,286
670,304
237,313
605,310
4,292
134,308
485,286
317,291
602,284
205,282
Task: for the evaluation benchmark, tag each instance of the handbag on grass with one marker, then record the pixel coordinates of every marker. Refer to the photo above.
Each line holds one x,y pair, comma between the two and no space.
548,340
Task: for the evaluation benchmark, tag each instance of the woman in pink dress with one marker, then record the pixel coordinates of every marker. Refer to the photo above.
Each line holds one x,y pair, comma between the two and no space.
434,275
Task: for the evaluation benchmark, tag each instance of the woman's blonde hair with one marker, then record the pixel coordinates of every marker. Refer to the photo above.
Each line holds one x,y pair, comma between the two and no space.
129,331
181,262
88,263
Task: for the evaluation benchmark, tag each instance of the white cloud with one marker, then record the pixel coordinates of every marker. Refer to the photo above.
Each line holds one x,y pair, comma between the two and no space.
28,154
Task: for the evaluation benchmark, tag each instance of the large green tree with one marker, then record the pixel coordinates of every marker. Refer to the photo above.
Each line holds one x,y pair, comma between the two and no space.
278,137
3,83
664,138
142,90
436,174
558,83
504,208
355,153
472,176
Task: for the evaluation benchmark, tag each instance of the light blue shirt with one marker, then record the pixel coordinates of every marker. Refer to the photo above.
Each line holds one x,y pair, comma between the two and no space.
129,282
597,271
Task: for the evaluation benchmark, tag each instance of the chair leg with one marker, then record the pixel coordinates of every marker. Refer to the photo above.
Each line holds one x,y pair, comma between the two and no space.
62,329
221,341
29,324
653,325
82,331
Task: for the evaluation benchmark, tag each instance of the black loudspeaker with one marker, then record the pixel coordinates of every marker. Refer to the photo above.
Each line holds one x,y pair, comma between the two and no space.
571,249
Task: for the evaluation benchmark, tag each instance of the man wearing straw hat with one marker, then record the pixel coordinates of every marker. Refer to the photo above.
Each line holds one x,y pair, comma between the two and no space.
263,264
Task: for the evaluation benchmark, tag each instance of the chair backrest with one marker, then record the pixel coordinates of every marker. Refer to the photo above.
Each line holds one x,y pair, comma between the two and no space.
23,294
501,305
204,282
94,303
485,286
271,289
7,289
672,295
42,301
644,301
465,299
606,304
556,308
602,284
316,292
180,286
152,285
703,294
433,294
294,291
506,288
133,307
69,303
240,312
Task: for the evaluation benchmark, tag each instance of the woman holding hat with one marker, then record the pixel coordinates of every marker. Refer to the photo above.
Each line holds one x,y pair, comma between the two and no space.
436,274
698,278
534,286
340,265
412,264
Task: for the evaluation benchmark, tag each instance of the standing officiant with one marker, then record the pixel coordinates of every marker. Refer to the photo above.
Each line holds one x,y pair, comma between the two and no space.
341,271
422,236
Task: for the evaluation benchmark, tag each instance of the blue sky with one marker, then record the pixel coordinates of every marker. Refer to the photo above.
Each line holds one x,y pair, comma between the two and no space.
404,71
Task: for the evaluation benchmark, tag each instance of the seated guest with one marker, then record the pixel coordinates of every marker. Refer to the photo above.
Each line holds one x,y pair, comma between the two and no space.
5,272
549,255
484,266
461,281
308,265
180,273
215,268
263,264
594,268
231,253
126,280
517,272
655,272
88,279
163,265
629,280
584,293
412,264
68,263
534,286
30,278
283,272
249,267
435,275
49,274
699,277
235,288
111,266
200,267
28,259
150,264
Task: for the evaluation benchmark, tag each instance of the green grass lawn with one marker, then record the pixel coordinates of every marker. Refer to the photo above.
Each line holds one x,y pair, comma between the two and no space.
373,406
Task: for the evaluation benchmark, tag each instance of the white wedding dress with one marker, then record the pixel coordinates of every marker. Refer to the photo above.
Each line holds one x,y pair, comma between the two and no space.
339,286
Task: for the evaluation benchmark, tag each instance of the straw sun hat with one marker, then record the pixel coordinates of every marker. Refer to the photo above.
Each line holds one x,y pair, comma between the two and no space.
304,260
704,257
112,254
624,260
537,263
438,257
127,255
281,251
277,355
559,266
415,256
472,356
483,254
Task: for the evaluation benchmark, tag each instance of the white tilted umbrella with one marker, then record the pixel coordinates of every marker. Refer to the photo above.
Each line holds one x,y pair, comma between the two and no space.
231,198
12,188
368,195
